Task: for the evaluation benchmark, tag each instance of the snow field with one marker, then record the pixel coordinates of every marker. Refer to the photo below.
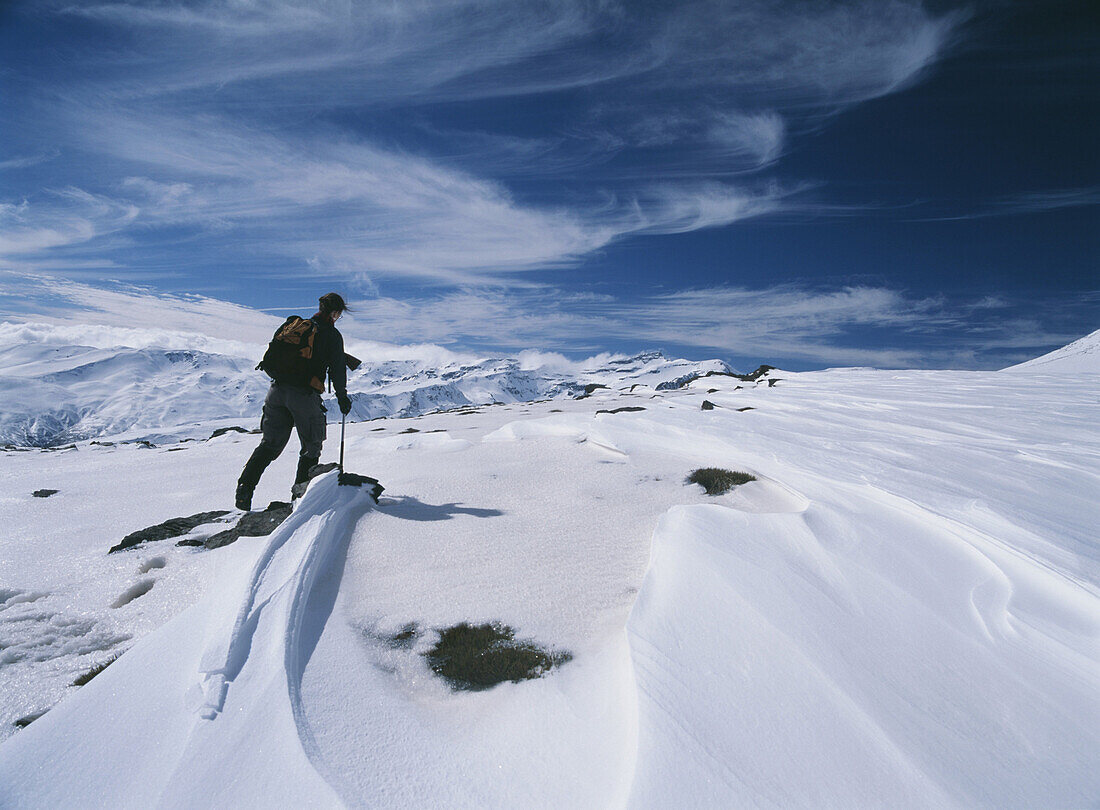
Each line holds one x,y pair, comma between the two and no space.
902,611
55,549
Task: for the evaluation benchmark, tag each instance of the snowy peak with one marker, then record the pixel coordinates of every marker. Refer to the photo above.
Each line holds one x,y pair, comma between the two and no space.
1080,357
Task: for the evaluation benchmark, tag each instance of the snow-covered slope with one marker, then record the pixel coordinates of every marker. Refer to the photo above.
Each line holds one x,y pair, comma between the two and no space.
53,394
1081,356
901,611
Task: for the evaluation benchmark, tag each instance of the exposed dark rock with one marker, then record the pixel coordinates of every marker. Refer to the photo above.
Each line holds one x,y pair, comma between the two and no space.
253,524
169,528
590,387
772,382
44,493
102,444
624,409
223,430
746,408
410,430
708,405
679,382
349,479
759,372
712,390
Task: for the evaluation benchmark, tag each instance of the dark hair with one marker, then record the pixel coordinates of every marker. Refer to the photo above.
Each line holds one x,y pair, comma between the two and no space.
332,302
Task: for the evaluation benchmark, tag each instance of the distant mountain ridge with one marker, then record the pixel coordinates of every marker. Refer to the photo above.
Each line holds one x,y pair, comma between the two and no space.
1080,356
52,395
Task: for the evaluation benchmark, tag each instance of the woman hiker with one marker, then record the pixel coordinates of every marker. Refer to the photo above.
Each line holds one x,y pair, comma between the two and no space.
294,399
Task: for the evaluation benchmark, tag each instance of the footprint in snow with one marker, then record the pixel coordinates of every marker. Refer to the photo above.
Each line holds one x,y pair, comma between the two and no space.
152,564
138,589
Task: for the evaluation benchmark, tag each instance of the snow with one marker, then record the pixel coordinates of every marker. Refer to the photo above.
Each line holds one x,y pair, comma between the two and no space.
902,610
1082,355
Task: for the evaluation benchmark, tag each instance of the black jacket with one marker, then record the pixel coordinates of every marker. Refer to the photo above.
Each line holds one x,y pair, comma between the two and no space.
328,354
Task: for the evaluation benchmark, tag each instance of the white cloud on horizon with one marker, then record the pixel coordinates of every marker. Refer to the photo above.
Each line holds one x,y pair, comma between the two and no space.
133,316
538,326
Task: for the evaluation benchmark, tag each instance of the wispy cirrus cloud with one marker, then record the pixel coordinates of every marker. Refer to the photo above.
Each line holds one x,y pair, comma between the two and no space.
65,217
1033,202
307,130
26,161
131,315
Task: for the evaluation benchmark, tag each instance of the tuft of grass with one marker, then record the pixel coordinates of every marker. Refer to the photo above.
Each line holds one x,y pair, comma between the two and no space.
23,722
405,638
477,657
98,668
717,481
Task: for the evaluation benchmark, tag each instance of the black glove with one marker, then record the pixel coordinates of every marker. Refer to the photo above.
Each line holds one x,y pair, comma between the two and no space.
345,403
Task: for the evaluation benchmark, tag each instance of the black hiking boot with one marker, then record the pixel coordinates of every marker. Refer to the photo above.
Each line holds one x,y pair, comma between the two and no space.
250,475
305,464
302,477
244,497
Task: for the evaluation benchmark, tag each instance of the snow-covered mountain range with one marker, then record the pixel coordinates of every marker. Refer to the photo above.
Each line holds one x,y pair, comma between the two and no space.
53,394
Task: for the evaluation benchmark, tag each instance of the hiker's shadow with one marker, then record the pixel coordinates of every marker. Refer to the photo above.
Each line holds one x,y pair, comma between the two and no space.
409,508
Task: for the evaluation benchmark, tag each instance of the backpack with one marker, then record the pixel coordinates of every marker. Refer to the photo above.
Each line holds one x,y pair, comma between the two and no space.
289,356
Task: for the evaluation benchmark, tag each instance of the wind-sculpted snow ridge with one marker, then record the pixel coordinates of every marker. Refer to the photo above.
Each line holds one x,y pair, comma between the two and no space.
205,711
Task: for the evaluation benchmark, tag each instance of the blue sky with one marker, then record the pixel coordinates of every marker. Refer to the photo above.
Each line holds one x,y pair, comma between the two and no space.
882,183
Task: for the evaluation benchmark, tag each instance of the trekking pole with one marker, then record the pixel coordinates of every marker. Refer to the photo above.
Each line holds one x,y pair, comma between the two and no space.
343,421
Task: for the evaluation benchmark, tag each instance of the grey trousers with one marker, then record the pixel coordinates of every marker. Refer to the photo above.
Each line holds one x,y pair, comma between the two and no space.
286,407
